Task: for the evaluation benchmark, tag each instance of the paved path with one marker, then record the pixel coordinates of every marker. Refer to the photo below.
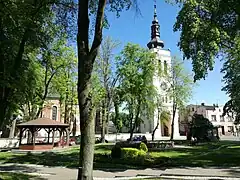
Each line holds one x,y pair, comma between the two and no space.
61,173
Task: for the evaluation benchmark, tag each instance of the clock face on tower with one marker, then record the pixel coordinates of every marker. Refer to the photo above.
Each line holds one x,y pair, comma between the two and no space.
164,86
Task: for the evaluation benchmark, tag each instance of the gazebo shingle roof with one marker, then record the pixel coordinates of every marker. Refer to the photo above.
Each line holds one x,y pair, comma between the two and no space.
43,122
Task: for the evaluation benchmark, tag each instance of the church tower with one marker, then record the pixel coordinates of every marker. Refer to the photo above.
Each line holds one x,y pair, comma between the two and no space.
163,58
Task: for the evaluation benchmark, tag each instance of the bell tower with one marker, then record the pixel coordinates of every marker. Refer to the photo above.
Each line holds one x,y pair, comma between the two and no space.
162,84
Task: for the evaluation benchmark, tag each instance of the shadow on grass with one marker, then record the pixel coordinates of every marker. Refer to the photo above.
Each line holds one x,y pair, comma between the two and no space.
200,156
104,147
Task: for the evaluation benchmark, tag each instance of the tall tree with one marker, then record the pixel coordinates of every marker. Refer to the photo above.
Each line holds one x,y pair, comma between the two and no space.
20,26
232,80
49,65
25,26
208,29
180,90
86,57
136,69
108,78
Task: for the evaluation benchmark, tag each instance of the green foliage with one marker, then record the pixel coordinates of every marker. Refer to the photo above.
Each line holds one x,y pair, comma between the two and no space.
136,69
143,147
199,127
181,84
52,73
131,153
180,90
165,116
28,27
232,80
205,31
121,120
208,29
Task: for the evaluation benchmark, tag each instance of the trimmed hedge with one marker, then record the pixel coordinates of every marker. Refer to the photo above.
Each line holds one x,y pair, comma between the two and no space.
138,145
127,153
143,147
131,153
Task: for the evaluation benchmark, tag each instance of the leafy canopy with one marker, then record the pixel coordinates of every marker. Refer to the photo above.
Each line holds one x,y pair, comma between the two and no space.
136,69
207,28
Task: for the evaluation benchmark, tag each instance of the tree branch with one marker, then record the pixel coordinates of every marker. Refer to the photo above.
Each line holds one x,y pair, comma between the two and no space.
83,24
98,26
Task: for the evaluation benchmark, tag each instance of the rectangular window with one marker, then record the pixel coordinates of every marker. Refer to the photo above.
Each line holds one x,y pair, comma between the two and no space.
193,109
214,118
221,118
54,113
230,119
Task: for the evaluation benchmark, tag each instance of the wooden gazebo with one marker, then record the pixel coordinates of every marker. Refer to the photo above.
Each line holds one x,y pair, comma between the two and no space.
50,126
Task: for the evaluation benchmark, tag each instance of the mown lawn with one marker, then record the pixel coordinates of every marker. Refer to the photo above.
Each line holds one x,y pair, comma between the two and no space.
16,176
211,154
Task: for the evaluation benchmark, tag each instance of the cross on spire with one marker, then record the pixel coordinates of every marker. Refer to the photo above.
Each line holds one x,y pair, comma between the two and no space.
155,10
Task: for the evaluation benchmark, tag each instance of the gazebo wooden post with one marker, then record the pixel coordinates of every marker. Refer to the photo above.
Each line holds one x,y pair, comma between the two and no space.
67,138
53,131
20,139
49,130
60,140
28,136
33,135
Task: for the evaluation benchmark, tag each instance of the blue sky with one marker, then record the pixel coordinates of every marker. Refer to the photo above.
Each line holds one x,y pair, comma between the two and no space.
131,27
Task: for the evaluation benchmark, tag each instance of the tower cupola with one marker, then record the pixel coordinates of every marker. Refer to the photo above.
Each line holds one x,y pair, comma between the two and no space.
155,32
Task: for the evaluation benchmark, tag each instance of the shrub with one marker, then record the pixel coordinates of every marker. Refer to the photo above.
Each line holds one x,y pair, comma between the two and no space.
130,153
116,152
143,147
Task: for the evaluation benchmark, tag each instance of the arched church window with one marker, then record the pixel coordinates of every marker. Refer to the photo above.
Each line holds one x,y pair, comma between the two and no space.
159,66
165,67
166,99
54,113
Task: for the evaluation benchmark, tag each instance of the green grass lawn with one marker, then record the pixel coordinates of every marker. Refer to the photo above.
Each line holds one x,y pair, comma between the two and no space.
210,154
16,176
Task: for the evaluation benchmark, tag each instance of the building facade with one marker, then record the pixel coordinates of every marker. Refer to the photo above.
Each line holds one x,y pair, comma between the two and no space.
213,113
163,59
52,108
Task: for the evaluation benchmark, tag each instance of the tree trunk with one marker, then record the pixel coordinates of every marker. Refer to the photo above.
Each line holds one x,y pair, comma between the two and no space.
86,60
66,108
136,120
87,148
103,127
173,118
12,129
153,133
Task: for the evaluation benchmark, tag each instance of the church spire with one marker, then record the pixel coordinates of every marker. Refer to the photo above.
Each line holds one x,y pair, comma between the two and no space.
155,31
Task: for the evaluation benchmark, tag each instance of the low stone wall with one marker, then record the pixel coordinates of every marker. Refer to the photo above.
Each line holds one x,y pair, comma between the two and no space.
125,136
6,143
